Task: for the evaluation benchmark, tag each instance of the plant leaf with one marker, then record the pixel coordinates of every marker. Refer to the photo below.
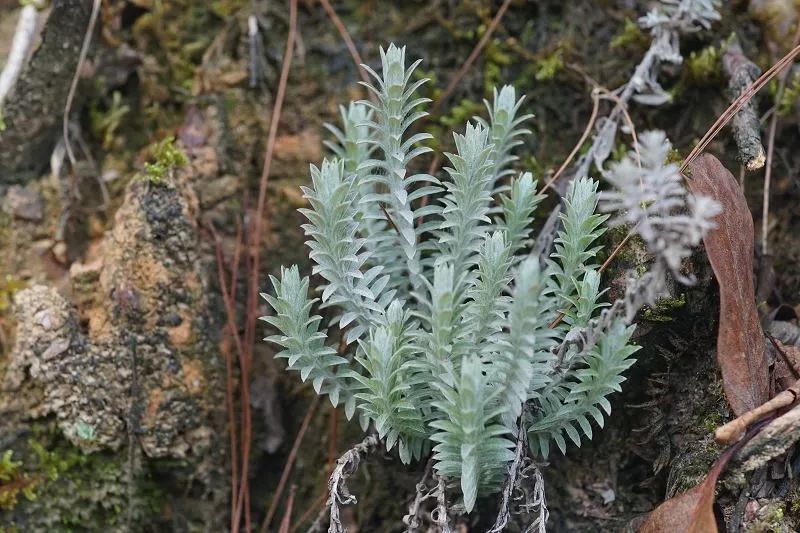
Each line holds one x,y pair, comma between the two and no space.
740,342
691,511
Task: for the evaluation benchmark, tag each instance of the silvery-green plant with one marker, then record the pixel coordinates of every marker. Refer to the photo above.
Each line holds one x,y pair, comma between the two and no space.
451,330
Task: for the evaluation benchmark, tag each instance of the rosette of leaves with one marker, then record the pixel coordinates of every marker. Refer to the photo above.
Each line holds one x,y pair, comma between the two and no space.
446,320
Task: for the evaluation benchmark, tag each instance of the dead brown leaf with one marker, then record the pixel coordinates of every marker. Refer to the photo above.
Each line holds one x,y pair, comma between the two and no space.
740,342
691,511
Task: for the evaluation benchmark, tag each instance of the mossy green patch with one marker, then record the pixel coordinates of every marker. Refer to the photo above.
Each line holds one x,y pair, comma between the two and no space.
664,309
167,157
495,58
9,285
72,490
771,518
630,35
704,67
791,95
549,66
14,481
105,120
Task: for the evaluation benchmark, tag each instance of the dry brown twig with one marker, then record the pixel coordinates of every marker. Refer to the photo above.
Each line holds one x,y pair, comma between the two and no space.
585,135
741,73
253,271
287,516
346,466
318,503
737,104
773,126
230,325
87,41
733,430
772,440
484,40
348,41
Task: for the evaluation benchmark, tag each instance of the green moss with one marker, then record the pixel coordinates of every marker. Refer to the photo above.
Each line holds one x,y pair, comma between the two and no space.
631,34
715,414
9,285
549,66
771,518
704,67
495,59
167,157
74,490
791,95
14,481
674,156
664,309
461,113
691,468
105,122
712,422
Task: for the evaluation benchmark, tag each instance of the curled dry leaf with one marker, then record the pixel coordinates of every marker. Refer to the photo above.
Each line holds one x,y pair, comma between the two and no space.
740,342
691,511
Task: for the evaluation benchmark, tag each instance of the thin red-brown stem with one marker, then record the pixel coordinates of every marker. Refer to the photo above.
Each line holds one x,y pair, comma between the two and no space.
243,503
773,126
229,386
313,508
627,118
577,147
87,41
348,41
287,468
389,218
471,58
738,103
287,516
237,254
433,167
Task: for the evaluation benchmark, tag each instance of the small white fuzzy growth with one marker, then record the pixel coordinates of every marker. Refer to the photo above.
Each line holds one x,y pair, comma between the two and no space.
653,199
20,47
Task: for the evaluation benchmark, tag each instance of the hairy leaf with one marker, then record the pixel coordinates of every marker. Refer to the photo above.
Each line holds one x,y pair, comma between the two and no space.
740,342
